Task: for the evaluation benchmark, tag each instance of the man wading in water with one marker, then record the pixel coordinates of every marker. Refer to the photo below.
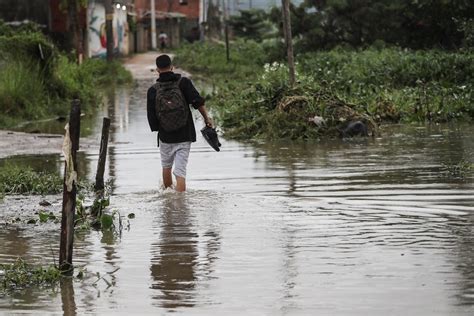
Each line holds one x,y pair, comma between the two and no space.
168,113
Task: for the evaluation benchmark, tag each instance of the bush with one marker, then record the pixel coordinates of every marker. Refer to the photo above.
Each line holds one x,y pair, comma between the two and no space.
37,81
422,85
385,84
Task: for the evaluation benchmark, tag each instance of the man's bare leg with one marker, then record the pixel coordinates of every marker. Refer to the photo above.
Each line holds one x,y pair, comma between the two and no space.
180,184
167,179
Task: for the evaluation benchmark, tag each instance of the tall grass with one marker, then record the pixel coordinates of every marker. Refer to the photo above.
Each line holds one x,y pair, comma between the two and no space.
23,180
22,91
37,80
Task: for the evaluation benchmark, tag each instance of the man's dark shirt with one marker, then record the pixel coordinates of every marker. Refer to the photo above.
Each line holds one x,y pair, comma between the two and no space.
188,132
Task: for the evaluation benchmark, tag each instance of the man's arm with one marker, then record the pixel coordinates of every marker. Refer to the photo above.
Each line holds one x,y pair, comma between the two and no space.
150,109
207,120
194,98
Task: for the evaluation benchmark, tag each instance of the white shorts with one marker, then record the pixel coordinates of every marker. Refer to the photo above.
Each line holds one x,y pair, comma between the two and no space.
177,154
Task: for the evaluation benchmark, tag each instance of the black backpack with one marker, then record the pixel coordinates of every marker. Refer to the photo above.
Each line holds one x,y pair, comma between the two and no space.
170,106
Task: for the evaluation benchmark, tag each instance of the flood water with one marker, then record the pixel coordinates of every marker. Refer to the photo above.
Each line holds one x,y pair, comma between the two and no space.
359,227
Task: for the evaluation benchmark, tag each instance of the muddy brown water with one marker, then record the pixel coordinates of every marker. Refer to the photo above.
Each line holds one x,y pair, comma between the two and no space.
358,227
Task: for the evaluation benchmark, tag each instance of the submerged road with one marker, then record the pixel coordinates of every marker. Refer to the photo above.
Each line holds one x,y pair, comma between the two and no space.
360,227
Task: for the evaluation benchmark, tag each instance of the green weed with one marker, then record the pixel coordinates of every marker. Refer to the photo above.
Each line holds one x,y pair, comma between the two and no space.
19,275
23,180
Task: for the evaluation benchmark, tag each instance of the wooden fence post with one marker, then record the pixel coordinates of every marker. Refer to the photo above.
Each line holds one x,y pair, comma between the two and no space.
99,176
70,148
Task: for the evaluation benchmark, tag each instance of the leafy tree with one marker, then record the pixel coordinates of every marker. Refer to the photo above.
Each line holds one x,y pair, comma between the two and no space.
253,24
418,24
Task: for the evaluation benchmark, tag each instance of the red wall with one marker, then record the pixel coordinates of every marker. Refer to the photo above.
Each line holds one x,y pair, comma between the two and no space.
191,10
59,17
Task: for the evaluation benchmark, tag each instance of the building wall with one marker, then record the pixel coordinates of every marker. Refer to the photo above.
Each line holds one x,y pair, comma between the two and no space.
191,10
96,30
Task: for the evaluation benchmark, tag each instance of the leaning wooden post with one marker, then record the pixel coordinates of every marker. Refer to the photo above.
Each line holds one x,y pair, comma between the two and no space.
99,176
70,147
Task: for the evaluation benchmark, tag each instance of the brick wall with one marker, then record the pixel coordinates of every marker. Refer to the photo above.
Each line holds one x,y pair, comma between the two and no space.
191,10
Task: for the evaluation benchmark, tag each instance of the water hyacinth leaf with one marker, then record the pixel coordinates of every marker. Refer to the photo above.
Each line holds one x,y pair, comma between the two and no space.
43,217
107,221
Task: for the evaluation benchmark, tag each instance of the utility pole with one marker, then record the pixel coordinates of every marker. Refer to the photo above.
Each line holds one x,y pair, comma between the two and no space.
153,25
288,39
74,28
109,16
226,28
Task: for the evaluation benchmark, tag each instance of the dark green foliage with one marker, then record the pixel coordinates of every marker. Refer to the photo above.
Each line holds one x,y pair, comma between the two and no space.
28,45
253,24
37,81
415,24
466,26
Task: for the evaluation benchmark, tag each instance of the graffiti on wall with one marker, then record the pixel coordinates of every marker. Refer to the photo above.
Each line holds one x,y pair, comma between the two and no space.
97,34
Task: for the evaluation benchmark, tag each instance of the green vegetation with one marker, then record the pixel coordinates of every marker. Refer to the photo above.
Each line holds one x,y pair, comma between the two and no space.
96,215
374,85
420,24
39,81
19,275
23,180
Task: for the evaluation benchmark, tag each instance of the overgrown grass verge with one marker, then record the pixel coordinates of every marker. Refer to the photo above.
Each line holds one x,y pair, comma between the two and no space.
38,81
253,99
23,180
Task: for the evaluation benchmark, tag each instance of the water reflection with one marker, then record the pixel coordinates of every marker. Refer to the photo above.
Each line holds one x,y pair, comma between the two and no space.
13,245
67,297
39,163
174,255
359,224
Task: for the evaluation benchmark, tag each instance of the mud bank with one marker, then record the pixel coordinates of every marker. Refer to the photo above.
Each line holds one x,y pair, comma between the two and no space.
17,143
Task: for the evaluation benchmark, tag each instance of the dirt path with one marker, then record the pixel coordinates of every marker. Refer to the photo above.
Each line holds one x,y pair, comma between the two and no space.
16,143
142,66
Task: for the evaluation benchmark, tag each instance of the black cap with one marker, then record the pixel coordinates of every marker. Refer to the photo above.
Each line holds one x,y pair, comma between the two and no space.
163,61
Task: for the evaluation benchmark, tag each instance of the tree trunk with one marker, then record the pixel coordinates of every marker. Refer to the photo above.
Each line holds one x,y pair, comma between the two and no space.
74,28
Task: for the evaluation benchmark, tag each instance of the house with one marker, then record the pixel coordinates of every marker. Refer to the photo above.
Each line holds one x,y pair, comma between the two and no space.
177,18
